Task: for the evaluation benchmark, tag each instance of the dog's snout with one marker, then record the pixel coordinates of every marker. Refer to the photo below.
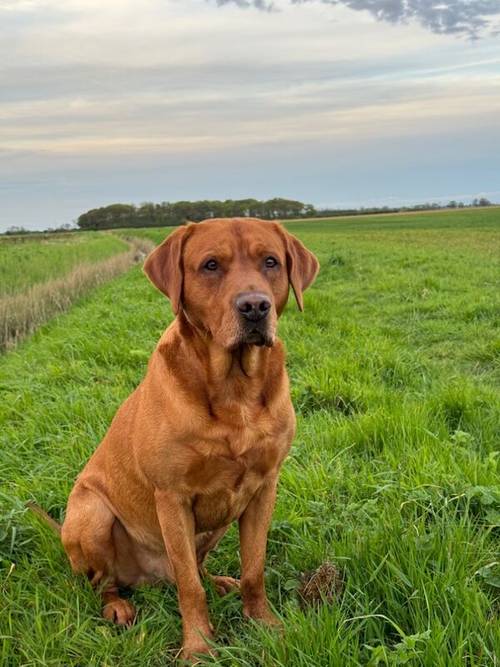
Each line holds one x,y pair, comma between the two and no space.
253,306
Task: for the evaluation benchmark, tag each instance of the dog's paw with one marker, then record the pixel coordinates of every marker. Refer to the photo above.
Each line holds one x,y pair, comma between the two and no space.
191,652
224,585
265,616
119,611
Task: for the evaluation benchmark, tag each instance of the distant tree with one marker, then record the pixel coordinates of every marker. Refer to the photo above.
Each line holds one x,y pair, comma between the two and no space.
144,215
452,204
14,229
106,217
484,202
65,227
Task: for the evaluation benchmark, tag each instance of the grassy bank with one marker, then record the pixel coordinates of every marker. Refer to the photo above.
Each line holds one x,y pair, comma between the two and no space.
31,262
23,312
393,475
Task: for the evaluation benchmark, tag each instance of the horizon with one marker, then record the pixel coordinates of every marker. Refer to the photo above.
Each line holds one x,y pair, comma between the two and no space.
427,205
324,101
319,214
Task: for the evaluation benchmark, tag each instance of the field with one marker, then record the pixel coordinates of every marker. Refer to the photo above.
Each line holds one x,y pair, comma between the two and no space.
393,476
43,275
29,262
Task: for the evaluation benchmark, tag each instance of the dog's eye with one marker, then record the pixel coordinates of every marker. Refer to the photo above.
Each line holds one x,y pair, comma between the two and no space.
211,265
270,262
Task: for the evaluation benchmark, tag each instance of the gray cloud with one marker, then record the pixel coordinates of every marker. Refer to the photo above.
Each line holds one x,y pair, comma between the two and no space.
245,4
469,18
173,100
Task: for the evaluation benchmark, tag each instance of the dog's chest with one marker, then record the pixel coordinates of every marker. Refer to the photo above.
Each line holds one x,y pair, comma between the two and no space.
229,473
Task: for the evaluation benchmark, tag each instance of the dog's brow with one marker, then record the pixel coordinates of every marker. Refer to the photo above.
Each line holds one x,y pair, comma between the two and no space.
259,248
203,251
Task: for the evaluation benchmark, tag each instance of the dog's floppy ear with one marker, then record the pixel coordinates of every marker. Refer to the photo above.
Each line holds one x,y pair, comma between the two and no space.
164,268
302,266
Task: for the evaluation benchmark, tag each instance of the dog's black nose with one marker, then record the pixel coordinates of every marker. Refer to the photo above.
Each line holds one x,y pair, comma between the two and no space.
253,306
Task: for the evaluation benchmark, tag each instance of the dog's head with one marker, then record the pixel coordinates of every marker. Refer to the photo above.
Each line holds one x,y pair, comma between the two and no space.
231,276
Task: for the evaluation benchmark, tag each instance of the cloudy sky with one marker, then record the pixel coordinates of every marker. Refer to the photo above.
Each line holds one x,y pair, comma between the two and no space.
334,102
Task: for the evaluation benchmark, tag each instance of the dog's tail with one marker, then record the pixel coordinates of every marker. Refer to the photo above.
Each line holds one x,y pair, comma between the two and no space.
52,523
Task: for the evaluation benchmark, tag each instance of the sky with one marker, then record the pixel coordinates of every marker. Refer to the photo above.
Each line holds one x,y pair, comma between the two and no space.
333,102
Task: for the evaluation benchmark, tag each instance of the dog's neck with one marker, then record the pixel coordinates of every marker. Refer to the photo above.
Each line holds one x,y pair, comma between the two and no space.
222,364
236,384
216,376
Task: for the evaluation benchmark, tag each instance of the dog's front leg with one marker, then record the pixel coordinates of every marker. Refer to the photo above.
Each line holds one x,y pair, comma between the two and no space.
177,526
254,526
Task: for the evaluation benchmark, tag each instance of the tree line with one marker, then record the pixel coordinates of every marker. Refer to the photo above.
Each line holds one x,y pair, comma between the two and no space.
171,214
426,206
176,213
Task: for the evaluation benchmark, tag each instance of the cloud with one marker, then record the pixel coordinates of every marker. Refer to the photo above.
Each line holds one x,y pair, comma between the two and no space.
469,18
199,109
180,99
245,4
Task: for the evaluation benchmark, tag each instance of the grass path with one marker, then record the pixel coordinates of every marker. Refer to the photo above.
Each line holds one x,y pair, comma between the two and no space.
393,475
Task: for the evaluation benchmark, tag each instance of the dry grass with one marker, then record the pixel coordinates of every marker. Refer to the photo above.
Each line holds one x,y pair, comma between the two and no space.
37,260
21,314
324,585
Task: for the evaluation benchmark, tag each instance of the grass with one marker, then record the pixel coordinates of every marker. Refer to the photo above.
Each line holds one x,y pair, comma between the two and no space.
29,262
393,475
22,313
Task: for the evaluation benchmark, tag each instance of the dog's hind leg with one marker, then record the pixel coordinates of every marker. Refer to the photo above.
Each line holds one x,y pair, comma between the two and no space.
224,585
87,537
117,609
205,542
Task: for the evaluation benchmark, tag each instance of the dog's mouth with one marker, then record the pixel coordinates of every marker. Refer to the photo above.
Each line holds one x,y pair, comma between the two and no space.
261,333
255,337
258,336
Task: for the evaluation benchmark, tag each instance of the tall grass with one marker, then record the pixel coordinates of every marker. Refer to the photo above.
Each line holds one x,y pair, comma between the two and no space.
23,313
29,262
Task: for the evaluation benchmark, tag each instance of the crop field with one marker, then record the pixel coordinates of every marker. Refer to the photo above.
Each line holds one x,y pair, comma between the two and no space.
393,476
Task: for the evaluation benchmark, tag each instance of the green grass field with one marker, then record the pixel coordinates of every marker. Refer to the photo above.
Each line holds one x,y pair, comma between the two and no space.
393,476
33,261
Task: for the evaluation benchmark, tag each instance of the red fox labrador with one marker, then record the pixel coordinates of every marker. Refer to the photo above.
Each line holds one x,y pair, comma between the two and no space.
200,442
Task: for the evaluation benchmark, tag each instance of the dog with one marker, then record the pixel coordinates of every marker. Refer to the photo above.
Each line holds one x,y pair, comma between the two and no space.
200,442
